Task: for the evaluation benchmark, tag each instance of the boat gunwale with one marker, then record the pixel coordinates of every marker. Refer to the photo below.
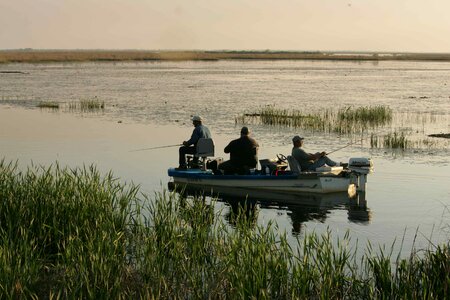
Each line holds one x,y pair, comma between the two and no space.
199,174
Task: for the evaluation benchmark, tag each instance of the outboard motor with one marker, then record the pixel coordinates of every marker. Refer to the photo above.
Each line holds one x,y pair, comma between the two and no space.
361,166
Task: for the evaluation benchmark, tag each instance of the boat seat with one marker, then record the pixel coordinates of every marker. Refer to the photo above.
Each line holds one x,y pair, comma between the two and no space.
205,148
294,165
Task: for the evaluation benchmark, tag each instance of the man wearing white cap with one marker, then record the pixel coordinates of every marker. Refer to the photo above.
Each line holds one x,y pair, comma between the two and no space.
189,146
309,161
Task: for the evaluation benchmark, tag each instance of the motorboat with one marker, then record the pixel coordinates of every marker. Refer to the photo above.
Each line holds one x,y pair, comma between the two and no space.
281,175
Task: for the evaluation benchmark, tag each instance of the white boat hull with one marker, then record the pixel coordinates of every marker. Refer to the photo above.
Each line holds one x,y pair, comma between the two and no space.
292,184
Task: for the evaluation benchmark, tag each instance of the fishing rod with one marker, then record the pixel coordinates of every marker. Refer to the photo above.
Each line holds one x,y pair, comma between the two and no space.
159,147
352,143
342,147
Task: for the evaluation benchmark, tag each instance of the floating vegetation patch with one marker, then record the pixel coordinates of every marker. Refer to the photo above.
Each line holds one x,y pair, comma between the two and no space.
440,135
13,72
48,104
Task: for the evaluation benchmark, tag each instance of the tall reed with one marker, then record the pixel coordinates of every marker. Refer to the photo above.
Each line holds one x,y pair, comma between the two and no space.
72,233
71,226
421,276
347,120
373,115
393,140
90,104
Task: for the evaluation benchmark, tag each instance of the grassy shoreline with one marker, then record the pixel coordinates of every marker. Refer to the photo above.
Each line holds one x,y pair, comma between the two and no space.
77,234
43,56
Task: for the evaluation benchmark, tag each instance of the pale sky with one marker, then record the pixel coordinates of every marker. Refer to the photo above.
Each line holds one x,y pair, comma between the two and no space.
304,25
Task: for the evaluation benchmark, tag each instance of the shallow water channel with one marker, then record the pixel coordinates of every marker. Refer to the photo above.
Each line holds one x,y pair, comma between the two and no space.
149,105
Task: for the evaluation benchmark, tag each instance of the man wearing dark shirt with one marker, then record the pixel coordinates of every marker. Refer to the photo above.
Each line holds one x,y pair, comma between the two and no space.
309,161
189,146
243,154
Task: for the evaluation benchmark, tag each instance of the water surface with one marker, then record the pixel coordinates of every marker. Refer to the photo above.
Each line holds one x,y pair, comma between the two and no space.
149,104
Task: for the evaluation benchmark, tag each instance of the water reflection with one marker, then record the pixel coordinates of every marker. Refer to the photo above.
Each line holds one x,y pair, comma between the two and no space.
316,207
242,211
300,208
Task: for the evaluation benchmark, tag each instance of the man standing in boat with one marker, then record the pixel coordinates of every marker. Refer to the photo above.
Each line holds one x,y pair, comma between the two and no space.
243,154
189,146
309,161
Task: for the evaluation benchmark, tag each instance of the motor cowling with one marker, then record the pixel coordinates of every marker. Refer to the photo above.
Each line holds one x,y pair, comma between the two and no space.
360,165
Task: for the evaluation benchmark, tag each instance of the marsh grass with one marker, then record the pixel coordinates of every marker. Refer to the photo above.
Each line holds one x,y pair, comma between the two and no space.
373,116
392,140
395,140
72,233
346,120
71,224
87,105
11,98
367,123
400,140
424,275
48,104
91,104
32,56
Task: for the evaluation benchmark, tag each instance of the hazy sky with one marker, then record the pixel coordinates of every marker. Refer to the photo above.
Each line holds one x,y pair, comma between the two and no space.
373,25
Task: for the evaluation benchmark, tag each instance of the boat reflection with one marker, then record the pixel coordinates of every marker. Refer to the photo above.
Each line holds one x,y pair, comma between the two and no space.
301,208
242,211
318,207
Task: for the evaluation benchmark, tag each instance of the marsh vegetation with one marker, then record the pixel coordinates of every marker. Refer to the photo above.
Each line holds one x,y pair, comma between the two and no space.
90,104
74,233
48,104
33,56
347,120
377,124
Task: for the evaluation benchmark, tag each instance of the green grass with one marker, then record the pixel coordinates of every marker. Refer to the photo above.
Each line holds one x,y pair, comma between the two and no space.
63,231
74,233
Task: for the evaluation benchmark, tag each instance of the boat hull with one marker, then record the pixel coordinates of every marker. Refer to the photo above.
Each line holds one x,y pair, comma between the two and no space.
241,184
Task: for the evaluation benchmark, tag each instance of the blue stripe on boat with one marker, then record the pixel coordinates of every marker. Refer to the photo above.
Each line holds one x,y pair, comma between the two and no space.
197,173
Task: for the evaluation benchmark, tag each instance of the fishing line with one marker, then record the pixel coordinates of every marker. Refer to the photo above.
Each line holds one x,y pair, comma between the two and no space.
159,147
357,141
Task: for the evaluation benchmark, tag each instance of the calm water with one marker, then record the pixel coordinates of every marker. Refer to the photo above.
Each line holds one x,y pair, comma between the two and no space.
408,192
